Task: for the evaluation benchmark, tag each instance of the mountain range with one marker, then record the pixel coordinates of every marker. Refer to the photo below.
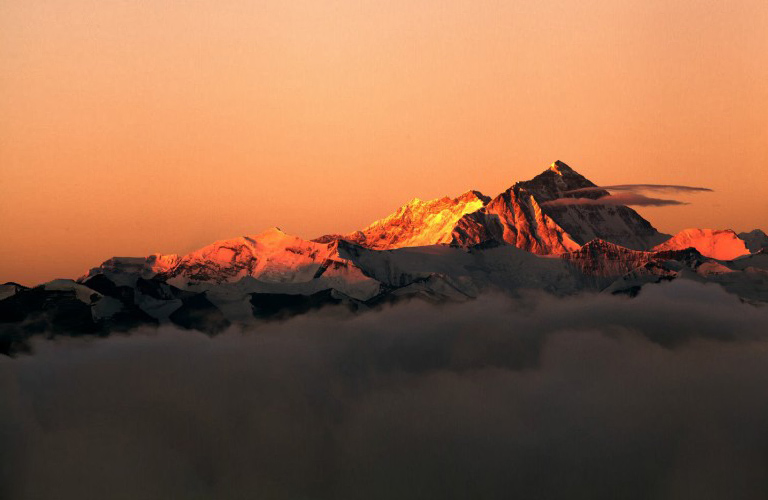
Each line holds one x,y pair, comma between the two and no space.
442,250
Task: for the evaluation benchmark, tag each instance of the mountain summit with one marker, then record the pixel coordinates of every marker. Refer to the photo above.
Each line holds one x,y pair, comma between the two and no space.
520,216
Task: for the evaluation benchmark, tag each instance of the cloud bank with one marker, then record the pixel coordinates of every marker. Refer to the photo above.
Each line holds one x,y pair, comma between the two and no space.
661,396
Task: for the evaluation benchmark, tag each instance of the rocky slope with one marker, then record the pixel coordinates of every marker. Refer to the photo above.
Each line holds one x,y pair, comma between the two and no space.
755,240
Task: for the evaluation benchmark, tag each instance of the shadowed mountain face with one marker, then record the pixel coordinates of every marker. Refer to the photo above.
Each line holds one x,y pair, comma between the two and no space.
755,240
444,250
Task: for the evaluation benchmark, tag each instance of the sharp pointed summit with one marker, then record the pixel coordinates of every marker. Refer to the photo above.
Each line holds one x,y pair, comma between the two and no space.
560,167
519,216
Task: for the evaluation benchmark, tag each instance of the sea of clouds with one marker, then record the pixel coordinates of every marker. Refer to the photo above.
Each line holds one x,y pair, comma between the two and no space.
661,396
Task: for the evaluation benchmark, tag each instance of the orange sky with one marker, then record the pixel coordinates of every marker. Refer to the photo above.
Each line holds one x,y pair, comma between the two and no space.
136,126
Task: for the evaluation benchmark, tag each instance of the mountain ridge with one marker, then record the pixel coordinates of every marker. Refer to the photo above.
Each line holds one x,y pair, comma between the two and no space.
441,250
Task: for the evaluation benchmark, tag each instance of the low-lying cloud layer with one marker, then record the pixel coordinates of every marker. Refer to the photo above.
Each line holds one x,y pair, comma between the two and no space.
661,396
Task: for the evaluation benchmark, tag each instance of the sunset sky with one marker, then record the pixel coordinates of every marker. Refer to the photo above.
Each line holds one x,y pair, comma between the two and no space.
129,127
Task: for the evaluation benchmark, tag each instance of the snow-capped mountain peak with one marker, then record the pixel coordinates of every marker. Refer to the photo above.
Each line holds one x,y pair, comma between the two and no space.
520,216
723,244
558,167
417,223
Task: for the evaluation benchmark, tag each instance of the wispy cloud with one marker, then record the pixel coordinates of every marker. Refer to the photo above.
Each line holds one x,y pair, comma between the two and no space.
669,188
629,194
635,199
